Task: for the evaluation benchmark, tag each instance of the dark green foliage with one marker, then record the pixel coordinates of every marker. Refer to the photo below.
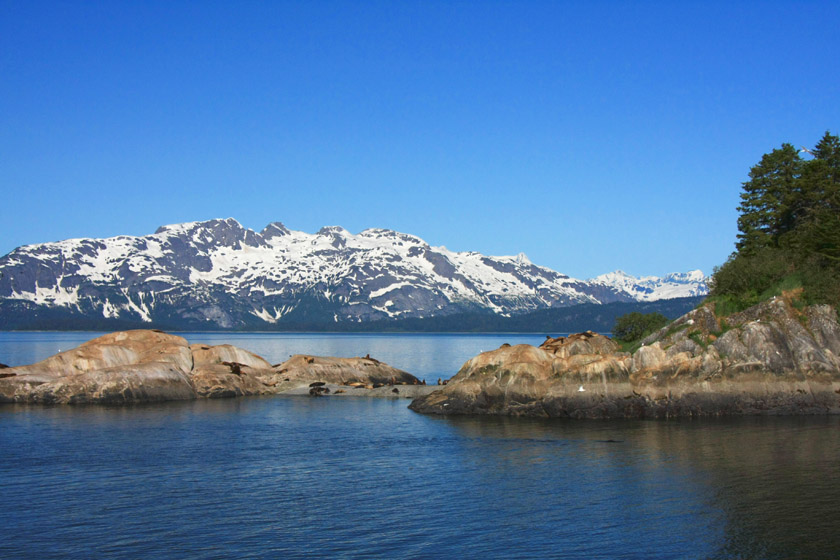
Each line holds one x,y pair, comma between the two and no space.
769,200
789,230
821,282
746,277
819,233
634,326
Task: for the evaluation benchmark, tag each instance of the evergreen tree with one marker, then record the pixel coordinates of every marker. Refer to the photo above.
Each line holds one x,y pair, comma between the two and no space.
820,233
789,229
634,325
769,200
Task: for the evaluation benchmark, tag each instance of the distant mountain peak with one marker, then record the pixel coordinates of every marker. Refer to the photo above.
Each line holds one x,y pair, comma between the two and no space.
652,288
523,259
274,229
333,230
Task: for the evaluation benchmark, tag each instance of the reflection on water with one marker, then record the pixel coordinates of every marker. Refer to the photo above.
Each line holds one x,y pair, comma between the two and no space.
295,477
753,487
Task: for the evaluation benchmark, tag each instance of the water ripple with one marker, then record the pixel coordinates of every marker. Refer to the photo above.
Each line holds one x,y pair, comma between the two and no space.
344,478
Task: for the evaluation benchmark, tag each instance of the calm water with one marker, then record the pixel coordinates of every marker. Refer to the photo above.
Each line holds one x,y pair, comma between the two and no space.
294,477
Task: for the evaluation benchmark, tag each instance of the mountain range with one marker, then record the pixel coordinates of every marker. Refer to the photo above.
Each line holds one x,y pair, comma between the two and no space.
218,274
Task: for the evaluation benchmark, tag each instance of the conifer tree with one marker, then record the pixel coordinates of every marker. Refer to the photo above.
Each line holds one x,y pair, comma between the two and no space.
821,221
769,199
789,228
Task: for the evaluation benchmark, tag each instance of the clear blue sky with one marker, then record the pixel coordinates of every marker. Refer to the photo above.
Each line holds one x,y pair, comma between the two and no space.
592,136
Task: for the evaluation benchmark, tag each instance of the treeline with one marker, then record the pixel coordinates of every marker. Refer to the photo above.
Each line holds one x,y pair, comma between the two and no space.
788,230
577,318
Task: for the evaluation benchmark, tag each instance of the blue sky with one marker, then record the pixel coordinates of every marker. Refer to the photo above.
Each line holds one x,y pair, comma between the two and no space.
592,136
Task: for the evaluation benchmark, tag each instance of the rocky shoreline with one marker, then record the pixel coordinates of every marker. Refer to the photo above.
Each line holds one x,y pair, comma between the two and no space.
770,359
774,358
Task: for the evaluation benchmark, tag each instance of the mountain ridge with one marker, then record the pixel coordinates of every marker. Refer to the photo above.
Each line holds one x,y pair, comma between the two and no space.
219,274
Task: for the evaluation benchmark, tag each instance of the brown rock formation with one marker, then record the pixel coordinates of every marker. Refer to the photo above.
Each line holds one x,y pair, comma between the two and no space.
227,371
770,359
119,367
342,371
146,366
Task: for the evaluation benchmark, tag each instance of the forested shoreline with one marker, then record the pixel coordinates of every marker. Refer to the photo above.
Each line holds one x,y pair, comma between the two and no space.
788,230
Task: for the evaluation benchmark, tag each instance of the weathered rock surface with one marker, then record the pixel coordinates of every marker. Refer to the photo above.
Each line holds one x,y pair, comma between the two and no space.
227,371
769,359
147,366
342,371
116,368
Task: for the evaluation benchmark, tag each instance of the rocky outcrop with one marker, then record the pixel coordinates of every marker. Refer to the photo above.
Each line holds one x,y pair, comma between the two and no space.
343,371
227,371
116,368
147,366
770,359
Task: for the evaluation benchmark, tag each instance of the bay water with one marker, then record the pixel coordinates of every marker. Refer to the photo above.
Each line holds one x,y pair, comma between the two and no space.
297,477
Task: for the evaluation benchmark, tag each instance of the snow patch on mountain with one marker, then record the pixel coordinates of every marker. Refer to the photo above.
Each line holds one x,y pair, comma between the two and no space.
652,288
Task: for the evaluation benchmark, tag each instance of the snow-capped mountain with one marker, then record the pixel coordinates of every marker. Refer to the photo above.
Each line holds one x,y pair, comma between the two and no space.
652,288
218,273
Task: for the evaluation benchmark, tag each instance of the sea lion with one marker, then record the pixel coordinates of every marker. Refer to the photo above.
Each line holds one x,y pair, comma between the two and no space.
235,368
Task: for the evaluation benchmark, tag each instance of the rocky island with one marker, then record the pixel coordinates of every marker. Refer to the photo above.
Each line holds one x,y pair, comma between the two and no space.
148,366
772,358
